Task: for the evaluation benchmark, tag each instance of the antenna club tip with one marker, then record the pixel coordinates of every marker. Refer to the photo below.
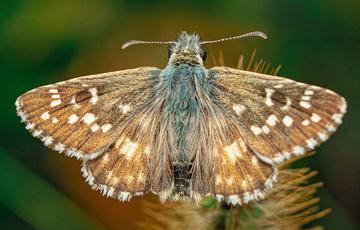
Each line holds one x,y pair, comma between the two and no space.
261,34
127,44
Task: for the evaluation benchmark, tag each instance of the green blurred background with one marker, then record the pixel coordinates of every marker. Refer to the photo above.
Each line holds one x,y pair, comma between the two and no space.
42,42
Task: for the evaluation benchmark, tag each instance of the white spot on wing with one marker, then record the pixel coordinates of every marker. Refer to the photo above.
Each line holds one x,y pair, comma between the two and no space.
239,109
233,151
230,181
272,119
287,105
105,128
269,93
94,127
315,118
244,184
128,148
279,158
305,104
309,92
124,108
73,101
265,129
288,121
305,122
45,116
94,96
286,155
305,98
53,91
88,118
72,119
55,96
55,103
256,130
254,160
298,150
279,86
323,136
54,120
311,143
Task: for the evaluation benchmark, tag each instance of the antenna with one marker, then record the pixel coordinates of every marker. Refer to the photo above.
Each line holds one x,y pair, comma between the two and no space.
136,42
251,34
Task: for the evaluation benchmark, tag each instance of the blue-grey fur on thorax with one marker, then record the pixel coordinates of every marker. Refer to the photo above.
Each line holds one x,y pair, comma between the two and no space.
185,81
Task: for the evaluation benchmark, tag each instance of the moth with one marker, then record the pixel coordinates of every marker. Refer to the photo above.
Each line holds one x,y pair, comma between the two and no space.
185,131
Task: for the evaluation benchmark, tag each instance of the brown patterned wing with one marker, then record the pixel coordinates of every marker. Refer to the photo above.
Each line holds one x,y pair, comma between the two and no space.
240,176
277,117
131,166
84,116
121,172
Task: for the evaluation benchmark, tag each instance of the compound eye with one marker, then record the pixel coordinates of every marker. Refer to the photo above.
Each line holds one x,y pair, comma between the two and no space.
203,55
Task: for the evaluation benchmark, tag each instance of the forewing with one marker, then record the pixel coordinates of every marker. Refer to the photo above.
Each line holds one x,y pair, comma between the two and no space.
132,165
84,116
277,117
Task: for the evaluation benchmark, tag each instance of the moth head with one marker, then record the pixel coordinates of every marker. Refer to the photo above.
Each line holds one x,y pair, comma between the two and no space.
188,48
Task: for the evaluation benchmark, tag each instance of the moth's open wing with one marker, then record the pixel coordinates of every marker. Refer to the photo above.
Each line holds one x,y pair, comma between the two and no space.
121,172
277,117
82,117
223,164
240,176
132,165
